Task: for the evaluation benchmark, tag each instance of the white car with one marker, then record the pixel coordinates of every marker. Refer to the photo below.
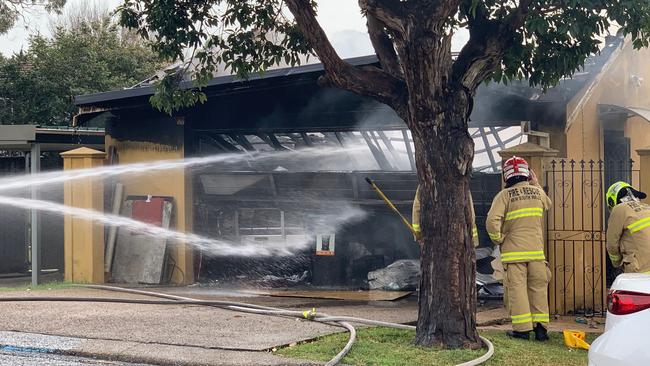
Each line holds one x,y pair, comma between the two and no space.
626,340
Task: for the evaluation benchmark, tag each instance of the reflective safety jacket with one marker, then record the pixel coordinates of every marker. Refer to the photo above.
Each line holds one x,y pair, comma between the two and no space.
516,222
415,219
628,236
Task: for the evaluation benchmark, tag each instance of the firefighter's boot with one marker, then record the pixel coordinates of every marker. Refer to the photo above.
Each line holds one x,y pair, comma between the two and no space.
518,335
541,334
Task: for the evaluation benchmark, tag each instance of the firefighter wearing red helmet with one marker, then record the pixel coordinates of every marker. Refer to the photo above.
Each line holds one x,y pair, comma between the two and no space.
515,222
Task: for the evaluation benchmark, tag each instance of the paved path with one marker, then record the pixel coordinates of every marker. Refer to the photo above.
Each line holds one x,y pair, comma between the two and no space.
156,334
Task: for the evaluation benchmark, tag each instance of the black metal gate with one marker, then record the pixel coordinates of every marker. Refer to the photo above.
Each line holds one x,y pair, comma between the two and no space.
576,227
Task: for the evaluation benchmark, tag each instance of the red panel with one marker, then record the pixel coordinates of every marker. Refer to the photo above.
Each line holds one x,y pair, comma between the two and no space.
150,212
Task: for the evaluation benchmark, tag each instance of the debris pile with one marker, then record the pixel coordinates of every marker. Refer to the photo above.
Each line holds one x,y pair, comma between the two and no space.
402,275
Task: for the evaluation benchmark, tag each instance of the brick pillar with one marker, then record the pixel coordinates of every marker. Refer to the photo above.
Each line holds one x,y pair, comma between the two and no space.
644,174
84,240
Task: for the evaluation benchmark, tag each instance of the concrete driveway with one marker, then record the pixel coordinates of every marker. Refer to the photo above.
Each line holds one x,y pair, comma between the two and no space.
174,334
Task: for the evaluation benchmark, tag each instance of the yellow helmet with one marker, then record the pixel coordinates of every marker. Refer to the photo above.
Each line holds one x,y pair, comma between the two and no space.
614,189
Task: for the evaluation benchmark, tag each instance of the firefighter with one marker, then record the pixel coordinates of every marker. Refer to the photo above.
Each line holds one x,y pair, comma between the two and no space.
628,229
415,219
515,223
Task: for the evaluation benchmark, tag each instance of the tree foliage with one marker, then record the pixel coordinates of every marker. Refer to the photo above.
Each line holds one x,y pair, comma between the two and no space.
38,86
243,36
419,77
12,10
541,41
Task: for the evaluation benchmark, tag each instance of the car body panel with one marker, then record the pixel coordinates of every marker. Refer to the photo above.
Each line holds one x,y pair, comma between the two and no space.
625,341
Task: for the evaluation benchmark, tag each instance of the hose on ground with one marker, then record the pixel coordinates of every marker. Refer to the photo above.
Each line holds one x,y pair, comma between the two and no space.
348,346
324,318
340,321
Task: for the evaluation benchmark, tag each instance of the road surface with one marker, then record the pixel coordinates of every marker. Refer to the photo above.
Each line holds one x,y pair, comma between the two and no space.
37,359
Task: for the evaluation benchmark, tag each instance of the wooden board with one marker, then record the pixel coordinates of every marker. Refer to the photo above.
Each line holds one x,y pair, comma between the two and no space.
373,295
140,258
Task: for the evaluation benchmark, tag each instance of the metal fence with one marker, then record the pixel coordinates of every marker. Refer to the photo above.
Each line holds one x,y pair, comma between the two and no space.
576,226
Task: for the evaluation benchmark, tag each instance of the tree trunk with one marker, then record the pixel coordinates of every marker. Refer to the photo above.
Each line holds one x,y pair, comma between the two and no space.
444,154
435,102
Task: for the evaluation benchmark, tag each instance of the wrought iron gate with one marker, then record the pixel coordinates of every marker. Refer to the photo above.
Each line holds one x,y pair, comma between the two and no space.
576,227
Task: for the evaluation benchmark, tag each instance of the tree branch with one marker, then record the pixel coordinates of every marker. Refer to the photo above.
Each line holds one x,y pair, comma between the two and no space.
488,41
389,12
384,47
368,80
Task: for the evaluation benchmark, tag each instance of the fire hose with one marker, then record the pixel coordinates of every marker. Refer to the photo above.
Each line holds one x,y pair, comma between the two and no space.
312,315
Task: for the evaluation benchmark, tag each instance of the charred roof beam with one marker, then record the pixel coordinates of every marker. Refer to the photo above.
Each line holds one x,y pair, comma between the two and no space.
389,145
332,137
307,139
212,142
243,141
377,153
409,150
495,133
223,143
273,141
339,136
489,151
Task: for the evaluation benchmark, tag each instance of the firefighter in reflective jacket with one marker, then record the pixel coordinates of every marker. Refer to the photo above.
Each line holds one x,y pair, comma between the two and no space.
628,229
415,219
515,222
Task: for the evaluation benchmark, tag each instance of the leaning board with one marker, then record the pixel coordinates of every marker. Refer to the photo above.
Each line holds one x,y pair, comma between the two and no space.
140,258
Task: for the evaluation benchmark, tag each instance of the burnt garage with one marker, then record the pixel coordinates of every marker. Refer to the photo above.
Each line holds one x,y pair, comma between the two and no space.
320,198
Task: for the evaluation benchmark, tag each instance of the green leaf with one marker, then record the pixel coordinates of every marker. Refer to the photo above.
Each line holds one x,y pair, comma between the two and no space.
89,55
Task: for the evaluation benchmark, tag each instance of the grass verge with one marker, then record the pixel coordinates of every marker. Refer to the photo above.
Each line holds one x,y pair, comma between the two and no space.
45,286
388,347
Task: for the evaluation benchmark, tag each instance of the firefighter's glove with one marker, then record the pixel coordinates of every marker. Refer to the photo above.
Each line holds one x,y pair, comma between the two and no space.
417,233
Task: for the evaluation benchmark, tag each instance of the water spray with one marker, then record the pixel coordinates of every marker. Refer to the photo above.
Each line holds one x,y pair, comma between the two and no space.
213,246
44,179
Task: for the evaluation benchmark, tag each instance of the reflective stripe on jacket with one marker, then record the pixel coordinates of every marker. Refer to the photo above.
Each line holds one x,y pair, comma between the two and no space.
516,222
628,236
415,218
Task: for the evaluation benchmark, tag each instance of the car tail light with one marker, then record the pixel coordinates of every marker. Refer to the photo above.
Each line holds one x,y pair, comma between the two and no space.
627,302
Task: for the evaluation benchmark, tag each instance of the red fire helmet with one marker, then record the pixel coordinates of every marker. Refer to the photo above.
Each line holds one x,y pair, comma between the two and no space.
515,167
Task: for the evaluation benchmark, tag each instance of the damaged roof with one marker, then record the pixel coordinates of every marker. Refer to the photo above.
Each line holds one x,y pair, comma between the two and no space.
494,105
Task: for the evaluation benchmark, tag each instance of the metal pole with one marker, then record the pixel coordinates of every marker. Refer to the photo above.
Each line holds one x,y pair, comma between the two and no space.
35,165
28,218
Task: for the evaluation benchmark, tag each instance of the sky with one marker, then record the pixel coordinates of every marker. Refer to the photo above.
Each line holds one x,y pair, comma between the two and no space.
337,17
341,20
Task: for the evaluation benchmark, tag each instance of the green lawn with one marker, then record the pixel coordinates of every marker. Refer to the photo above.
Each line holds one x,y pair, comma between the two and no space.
45,286
384,347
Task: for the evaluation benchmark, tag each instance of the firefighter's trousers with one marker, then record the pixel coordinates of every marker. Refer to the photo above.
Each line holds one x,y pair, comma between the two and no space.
527,293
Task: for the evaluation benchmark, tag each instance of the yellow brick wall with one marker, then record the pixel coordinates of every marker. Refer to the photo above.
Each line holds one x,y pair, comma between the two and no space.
171,183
